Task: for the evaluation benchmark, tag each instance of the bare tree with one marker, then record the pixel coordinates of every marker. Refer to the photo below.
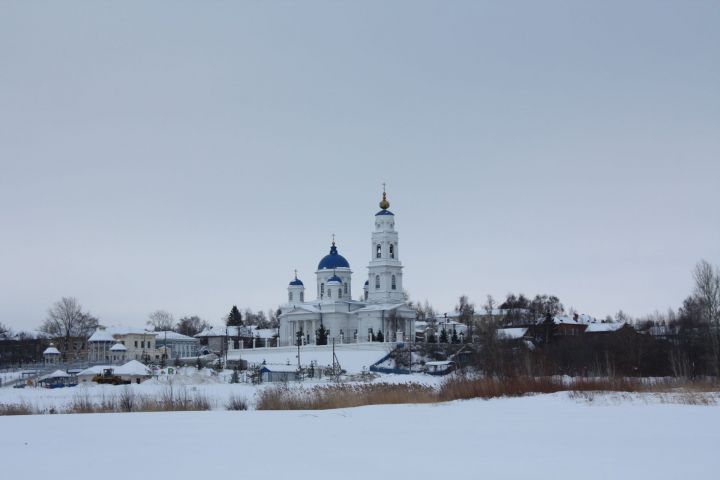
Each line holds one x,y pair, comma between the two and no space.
621,316
161,320
66,319
707,290
4,331
707,293
466,309
261,320
273,318
490,304
191,326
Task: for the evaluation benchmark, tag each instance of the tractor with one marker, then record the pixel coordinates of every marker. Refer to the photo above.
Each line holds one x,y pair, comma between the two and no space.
108,377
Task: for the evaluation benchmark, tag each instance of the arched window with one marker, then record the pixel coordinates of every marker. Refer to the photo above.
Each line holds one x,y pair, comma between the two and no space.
345,288
378,251
392,250
392,283
289,296
339,292
329,292
302,296
377,281
322,290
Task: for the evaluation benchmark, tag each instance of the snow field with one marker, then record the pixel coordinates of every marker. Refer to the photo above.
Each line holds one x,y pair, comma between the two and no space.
539,437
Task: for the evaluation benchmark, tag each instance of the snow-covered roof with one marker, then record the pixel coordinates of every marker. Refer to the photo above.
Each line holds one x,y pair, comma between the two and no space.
263,332
123,330
55,374
133,367
511,333
280,368
107,334
561,320
94,370
174,336
51,351
439,363
101,335
585,318
604,327
223,331
303,308
380,306
118,347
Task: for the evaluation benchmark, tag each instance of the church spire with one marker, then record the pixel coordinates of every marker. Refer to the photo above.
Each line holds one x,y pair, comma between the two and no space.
384,204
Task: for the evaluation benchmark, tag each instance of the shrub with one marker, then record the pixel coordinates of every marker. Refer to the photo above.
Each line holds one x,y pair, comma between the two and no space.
22,408
237,403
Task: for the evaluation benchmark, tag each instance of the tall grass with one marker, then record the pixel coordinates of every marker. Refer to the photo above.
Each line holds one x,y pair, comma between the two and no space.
282,397
128,401
22,408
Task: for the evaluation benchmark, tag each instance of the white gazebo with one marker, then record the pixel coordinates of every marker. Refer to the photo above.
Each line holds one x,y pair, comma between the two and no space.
51,356
118,352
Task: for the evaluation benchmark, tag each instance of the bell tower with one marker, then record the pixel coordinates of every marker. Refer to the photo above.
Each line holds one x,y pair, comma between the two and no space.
385,269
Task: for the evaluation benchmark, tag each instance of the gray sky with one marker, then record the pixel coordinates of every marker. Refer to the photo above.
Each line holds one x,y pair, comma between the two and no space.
189,155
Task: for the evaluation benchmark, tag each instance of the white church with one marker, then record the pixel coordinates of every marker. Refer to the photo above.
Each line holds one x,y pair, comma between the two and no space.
382,312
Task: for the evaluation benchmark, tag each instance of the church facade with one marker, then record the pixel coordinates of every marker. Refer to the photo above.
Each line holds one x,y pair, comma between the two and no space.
381,315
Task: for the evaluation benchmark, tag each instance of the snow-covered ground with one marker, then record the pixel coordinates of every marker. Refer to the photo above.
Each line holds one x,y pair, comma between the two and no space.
211,385
353,357
547,436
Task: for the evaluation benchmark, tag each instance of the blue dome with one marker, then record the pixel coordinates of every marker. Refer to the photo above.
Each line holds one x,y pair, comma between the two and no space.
384,212
297,282
335,278
333,260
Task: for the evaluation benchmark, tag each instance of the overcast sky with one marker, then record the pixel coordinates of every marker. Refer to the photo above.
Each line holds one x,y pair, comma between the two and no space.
188,156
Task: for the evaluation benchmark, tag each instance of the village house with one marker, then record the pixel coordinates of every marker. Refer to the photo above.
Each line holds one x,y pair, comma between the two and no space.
139,344
175,345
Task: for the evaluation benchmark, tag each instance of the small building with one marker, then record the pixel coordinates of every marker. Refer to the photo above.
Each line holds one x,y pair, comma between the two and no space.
58,379
87,375
51,355
132,371
279,373
176,345
118,353
434,328
220,340
609,328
